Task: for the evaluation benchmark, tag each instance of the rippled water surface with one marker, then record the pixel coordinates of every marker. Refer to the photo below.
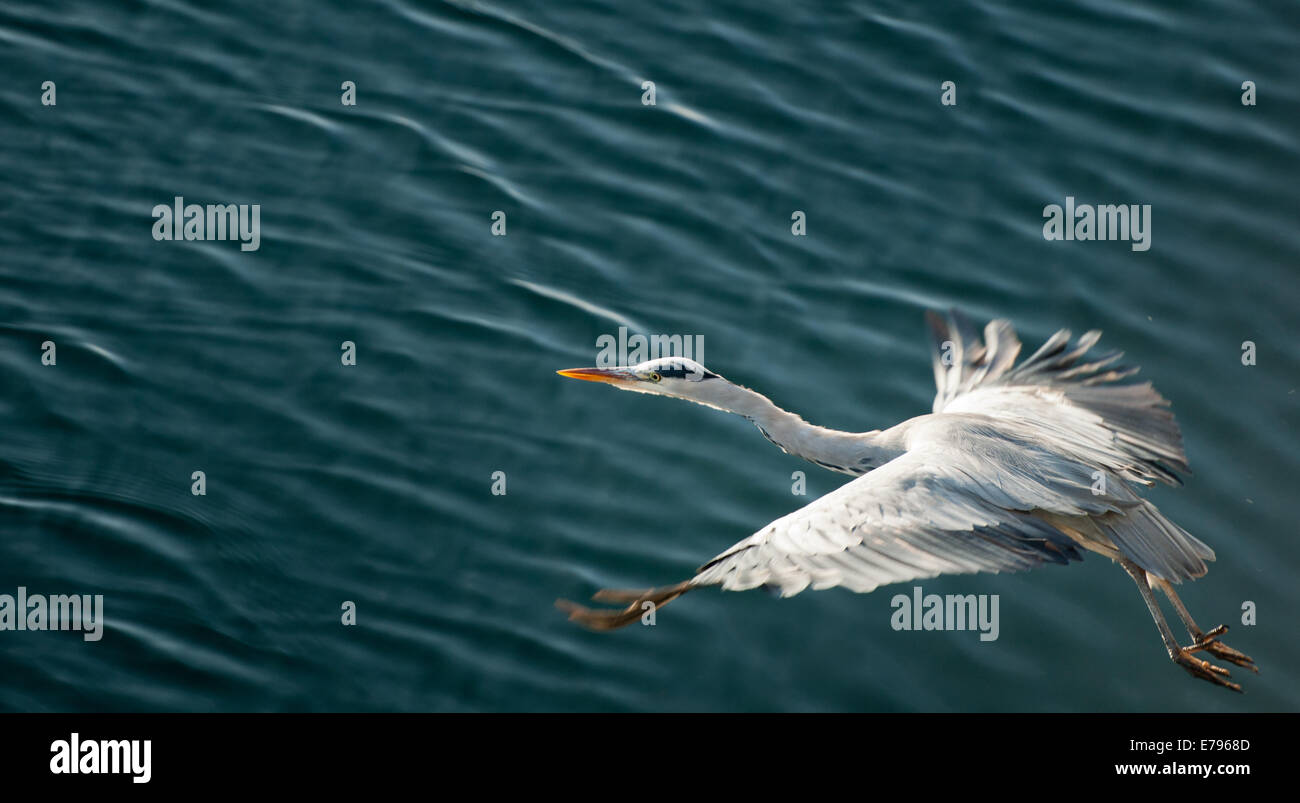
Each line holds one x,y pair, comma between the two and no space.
372,483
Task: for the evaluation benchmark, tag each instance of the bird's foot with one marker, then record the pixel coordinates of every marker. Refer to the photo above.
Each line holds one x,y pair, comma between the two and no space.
1209,642
1203,669
639,603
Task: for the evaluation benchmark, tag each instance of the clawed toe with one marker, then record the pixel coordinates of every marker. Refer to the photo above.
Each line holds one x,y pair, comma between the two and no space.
1199,667
596,619
1213,634
1209,643
1226,653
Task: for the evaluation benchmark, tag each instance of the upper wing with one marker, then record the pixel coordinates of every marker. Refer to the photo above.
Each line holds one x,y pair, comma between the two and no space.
1060,394
926,513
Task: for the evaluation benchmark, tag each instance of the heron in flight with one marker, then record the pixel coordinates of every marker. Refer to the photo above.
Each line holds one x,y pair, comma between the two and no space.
1017,466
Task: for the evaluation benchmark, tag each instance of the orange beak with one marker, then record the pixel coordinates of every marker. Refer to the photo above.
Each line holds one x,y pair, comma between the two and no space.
613,376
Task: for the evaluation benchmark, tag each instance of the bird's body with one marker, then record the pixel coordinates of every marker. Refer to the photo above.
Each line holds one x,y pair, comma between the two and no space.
1016,466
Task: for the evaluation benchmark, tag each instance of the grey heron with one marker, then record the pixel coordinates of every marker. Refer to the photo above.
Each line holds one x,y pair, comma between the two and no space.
1017,465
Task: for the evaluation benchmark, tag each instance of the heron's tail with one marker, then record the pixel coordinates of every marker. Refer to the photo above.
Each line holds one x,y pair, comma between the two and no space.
596,619
1156,544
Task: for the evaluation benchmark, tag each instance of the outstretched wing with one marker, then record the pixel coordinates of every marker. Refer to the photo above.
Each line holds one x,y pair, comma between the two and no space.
922,514
968,501
1061,394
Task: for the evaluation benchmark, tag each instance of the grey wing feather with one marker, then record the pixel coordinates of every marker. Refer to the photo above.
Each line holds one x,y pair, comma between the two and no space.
1059,394
920,515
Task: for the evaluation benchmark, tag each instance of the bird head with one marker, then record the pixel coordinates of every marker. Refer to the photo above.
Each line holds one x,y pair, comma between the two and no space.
678,377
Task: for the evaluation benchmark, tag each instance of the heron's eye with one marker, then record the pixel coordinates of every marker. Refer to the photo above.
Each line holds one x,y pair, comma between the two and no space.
654,376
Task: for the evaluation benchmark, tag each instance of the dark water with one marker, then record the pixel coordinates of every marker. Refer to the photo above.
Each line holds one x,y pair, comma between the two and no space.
372,483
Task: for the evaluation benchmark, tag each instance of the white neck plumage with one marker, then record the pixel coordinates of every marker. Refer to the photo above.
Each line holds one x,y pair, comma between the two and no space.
848,452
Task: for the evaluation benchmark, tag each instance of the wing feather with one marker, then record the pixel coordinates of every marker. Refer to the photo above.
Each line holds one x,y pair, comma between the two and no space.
917,516
1127,428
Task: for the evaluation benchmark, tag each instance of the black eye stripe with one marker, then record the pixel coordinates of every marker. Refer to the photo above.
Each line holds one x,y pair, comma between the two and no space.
682,373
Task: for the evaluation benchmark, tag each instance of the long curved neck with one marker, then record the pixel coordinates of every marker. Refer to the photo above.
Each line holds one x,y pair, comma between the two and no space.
848,452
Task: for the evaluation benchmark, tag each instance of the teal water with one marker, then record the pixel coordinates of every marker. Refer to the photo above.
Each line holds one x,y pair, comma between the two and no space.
373,483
